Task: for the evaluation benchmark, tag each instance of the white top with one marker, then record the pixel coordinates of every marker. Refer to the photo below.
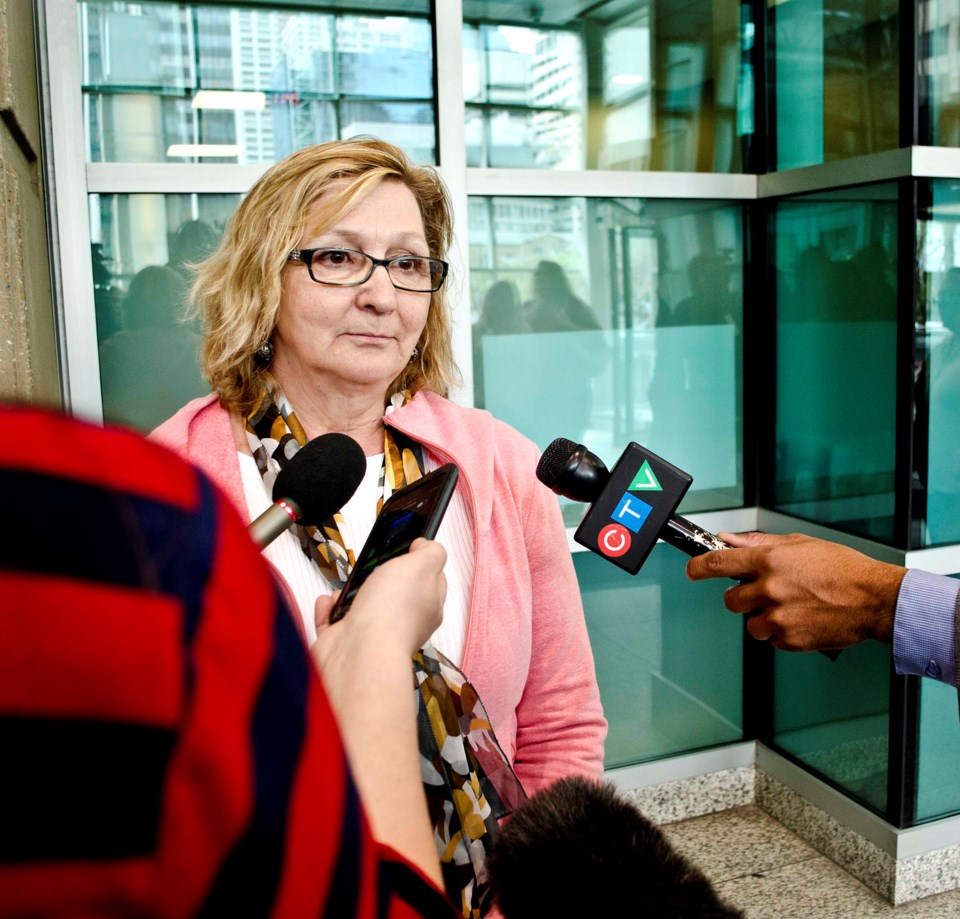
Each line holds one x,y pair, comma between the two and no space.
307,583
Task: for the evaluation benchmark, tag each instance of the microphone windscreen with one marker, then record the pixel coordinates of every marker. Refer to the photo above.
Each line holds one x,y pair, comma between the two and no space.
321,476
554,460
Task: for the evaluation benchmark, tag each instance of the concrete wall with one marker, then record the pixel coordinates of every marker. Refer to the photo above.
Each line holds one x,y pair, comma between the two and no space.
28,347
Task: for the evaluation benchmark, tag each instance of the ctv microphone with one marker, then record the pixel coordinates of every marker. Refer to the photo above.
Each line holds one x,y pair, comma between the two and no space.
632,506
315,483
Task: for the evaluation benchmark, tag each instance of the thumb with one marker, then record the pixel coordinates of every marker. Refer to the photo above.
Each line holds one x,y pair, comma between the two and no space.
321,611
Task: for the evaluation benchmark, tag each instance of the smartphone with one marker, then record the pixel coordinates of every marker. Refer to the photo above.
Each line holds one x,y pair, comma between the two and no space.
415,510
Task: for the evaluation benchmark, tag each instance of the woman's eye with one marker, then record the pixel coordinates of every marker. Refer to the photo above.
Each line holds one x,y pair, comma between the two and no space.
334,258
410,265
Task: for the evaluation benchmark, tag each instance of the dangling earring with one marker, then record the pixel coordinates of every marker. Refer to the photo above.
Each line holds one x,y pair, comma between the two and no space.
415,356
265,352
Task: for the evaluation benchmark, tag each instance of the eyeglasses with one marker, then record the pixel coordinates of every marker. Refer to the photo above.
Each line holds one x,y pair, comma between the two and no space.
351,267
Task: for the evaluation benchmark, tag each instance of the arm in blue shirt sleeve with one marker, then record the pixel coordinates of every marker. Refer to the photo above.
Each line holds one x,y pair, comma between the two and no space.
924,626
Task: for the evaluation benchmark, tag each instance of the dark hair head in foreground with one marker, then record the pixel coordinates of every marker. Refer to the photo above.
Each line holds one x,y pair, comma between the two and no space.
580,844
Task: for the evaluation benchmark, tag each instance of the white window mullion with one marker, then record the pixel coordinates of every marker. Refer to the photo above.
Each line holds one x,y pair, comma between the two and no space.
67,203
452,156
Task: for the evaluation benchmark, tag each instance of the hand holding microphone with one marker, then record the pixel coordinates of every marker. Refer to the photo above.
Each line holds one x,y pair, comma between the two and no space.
631,507
315,483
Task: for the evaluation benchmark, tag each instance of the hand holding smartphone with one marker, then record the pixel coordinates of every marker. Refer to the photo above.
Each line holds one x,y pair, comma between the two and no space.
413,511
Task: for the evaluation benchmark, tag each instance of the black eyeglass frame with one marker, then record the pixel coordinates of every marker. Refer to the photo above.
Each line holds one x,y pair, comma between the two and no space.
306,257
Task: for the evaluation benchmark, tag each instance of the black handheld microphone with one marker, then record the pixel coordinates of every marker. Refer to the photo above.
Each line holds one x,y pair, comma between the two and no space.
632,506
316,482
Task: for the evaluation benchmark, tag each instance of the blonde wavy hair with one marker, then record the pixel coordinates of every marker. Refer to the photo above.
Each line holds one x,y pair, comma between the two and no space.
237,289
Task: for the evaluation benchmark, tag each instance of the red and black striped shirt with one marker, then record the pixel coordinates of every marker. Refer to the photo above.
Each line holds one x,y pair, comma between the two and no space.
166,748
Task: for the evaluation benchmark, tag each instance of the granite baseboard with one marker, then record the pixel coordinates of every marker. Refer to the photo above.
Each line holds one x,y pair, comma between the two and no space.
696,796
898,880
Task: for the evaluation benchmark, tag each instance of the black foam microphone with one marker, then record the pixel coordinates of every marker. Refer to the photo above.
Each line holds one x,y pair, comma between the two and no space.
316,482
631,507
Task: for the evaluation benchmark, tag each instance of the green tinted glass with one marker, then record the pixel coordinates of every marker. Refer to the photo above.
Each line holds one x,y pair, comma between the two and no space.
834,716
937,505
668,656
835,295
607,321
143,247
835,71
634,86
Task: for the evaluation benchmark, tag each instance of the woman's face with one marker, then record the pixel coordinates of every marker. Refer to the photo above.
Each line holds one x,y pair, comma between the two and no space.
359,336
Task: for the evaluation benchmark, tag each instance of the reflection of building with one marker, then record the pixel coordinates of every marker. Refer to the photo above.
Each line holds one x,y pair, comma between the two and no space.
324,77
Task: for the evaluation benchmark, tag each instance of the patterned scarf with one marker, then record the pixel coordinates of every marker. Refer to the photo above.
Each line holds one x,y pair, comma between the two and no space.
469,782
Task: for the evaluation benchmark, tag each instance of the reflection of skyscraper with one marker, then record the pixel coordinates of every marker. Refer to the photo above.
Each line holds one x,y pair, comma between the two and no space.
325,76
556,80
255,42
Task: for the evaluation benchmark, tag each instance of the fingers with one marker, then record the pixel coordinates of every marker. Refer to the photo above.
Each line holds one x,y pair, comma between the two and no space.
751,539
759,627
746,561
744,598
738,564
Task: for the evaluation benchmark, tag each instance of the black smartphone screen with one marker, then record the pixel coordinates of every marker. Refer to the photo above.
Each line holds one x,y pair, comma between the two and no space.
413,511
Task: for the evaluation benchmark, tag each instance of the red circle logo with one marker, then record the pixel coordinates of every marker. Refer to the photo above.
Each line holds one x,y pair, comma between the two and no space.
614,540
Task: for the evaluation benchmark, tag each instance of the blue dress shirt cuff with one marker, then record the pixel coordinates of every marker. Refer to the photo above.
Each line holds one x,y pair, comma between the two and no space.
924,625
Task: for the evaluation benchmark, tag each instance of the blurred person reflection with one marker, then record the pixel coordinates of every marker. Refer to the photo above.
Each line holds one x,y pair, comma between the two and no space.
104,295
817,289
191,244
868,294
501,314
689,407
568,360
149,367
710,301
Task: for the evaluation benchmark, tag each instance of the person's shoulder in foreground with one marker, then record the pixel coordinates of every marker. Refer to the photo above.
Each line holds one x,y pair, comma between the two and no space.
169,749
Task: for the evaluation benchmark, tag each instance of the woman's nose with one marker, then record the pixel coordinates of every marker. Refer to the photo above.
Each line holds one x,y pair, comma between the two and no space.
378,292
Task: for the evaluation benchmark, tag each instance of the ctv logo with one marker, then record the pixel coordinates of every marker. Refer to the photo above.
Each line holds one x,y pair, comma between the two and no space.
629,515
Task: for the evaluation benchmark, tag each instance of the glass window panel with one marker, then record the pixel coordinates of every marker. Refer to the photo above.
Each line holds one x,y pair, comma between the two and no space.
142,248
385,57
938,752
646,85
938,234
939,74
614,320
285,78
834,715
668,663
834,288
835,75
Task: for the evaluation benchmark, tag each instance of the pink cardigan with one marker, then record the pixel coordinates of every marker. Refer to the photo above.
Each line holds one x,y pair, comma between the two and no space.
527,650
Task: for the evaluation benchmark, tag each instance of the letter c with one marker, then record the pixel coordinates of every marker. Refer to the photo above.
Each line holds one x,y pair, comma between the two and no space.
614,540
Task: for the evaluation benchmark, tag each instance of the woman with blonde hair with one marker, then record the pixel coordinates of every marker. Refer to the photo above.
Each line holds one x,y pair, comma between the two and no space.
324,310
